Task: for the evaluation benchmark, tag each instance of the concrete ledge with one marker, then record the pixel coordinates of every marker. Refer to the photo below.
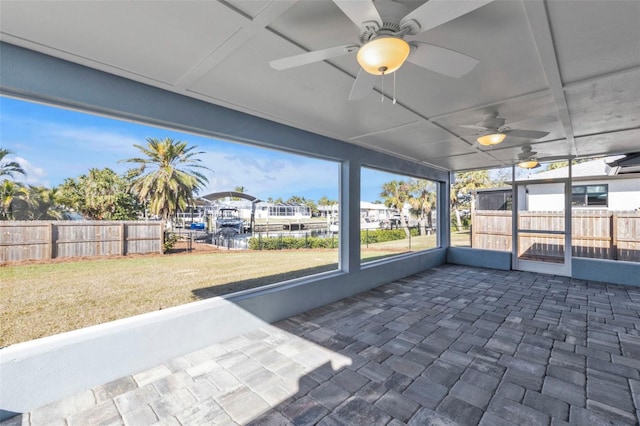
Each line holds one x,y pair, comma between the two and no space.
479,257
609,271
41,371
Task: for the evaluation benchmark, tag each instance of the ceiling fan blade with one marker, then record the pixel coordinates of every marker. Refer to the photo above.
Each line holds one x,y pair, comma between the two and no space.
363,85
528,134
437,12
360,11
313,56
443,61
473,126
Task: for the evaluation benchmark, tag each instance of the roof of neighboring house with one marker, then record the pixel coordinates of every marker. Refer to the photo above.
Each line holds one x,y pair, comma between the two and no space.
372,206
605,166
597,167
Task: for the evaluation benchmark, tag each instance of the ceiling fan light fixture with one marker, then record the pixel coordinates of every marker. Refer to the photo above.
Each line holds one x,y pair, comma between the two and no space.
528,164
383,55
491,139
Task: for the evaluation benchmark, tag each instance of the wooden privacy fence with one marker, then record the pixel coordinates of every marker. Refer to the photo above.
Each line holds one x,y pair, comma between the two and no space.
41,240
595,234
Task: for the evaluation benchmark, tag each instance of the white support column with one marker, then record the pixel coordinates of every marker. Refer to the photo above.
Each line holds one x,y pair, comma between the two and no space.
444,212
350,216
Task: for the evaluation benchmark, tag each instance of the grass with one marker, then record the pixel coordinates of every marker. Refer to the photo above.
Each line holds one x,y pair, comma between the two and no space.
43,299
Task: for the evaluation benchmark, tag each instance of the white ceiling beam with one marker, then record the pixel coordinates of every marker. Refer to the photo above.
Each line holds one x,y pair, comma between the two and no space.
538,18
236,40
520,98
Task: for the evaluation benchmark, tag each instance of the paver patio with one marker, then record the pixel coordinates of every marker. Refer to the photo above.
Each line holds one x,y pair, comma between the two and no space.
454,345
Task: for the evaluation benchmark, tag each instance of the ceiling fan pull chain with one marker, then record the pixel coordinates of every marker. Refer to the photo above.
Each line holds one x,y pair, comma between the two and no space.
382,90
394,88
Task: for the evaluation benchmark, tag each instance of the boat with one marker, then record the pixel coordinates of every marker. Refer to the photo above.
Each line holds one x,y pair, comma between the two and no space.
228,221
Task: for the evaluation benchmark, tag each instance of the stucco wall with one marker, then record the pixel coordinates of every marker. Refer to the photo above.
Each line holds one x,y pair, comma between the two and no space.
624,194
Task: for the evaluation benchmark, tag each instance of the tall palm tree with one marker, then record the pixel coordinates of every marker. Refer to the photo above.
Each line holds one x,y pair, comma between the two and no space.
173,178
396,194
10,193
423,200
461,187
8,168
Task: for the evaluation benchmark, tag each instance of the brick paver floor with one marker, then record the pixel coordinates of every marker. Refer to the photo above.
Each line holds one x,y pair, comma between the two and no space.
453,345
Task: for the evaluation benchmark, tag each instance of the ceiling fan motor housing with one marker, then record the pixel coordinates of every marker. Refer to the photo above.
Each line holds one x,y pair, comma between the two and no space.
391,13
492,121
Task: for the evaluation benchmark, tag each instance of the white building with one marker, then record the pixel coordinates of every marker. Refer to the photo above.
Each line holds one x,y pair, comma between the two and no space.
611,183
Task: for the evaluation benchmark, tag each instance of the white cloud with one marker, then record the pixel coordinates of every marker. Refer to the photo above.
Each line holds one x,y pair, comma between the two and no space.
271,175
91,138
71,146
34,175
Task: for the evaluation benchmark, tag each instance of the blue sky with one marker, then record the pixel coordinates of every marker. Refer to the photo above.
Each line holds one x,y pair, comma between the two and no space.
53,144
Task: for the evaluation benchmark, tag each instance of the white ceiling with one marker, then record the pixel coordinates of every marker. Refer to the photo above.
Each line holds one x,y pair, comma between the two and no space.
567,67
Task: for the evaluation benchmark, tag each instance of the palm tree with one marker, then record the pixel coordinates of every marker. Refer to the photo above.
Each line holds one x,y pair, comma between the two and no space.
423,201
241,189
8,168
396,194
10,193
174,176
41,204
461,188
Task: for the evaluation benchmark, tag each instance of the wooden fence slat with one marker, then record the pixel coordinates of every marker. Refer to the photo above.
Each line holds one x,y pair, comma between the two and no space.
38,240
595,233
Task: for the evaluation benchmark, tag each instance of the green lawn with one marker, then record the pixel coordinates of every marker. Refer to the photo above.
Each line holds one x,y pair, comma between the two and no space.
42,299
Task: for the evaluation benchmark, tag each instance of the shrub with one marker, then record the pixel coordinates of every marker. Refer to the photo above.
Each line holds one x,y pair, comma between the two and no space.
288,243
170,240
373,236
366,237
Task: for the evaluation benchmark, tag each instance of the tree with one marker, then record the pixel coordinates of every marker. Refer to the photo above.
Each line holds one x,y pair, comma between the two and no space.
423,200
173,179
41,204
395,195
11,194
461,187
9,168
325,201
313,207
296,199
101,194
240,189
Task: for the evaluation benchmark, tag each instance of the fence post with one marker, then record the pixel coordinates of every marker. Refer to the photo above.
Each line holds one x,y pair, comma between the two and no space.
613,228
473,220
123,240
51,241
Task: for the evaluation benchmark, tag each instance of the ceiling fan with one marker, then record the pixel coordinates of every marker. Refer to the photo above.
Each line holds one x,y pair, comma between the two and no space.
529,159
493,131
384,24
